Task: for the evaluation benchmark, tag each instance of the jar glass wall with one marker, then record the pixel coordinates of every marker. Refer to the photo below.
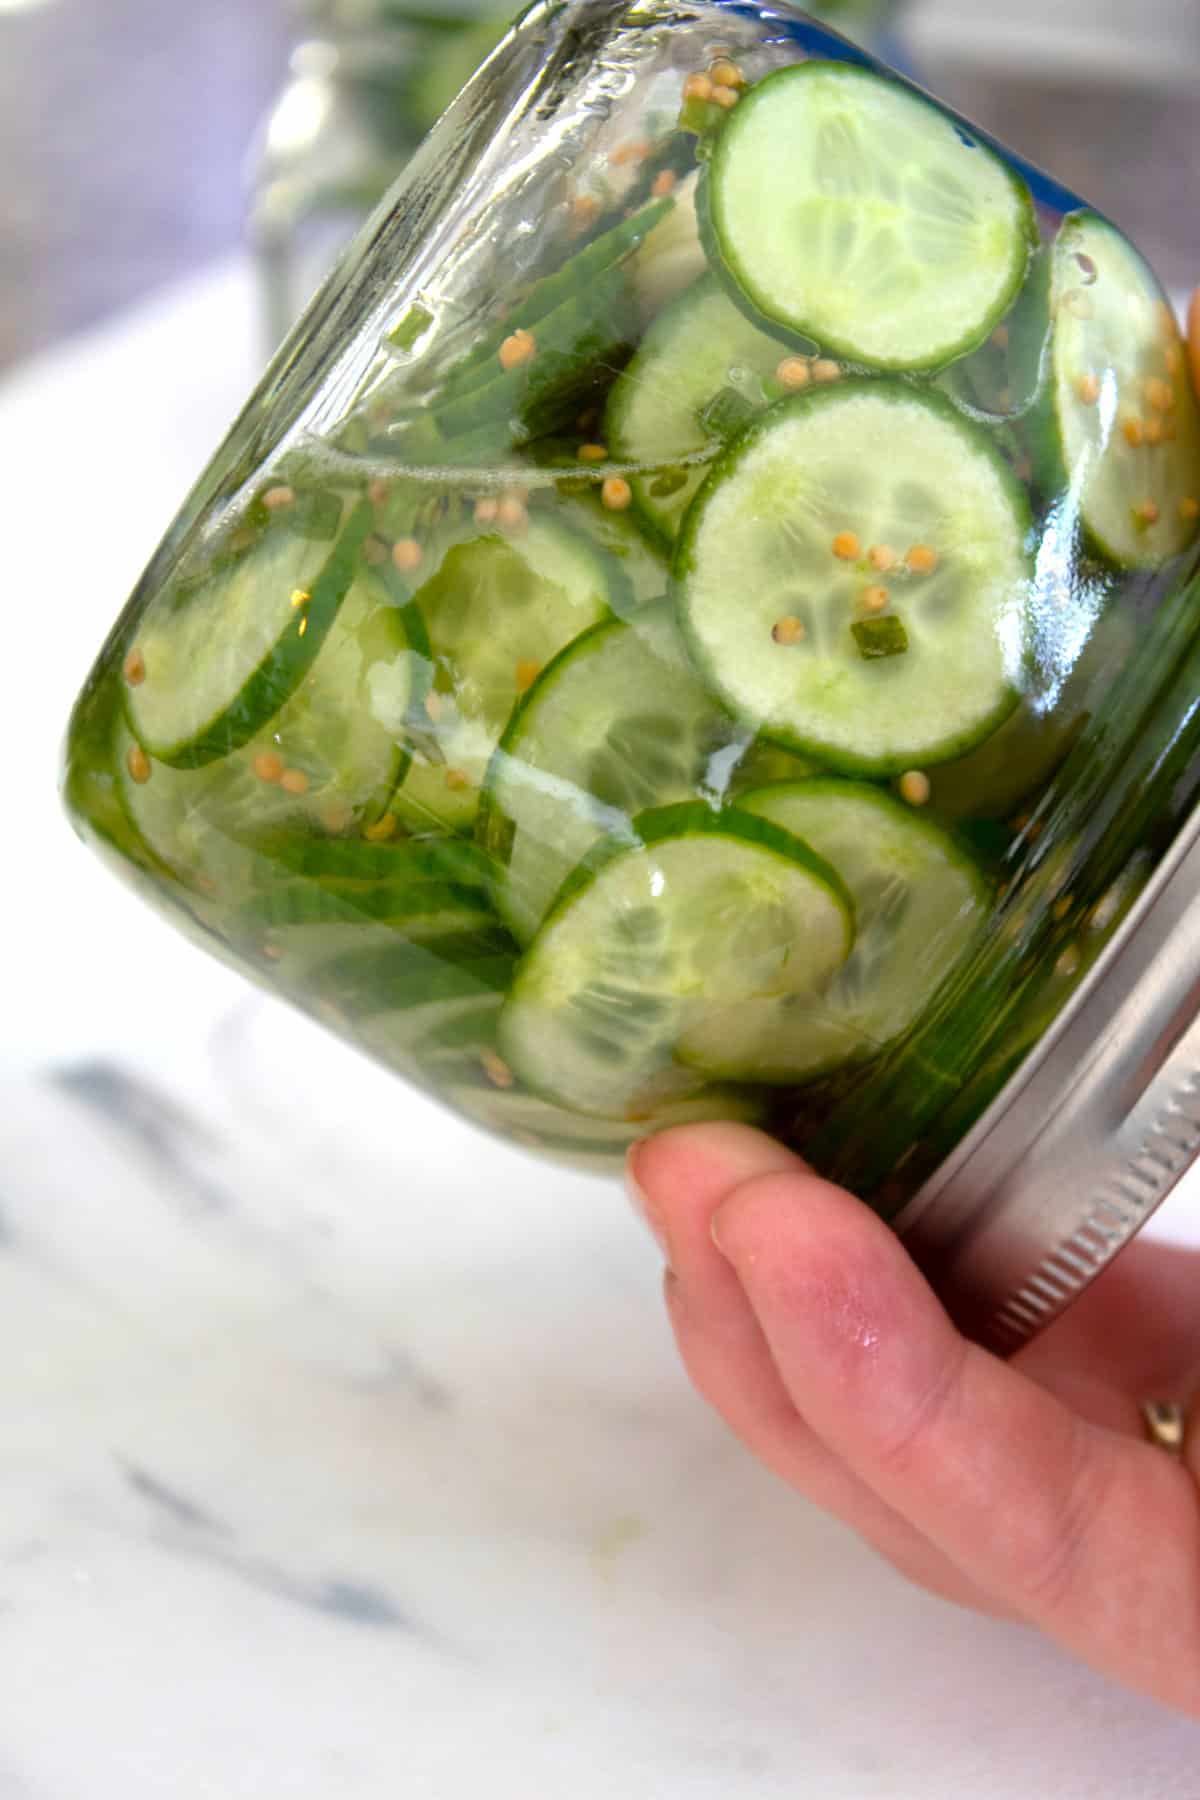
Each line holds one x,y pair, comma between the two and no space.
700,619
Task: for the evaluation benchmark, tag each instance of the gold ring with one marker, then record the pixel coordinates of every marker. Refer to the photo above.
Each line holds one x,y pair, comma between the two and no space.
1166,1423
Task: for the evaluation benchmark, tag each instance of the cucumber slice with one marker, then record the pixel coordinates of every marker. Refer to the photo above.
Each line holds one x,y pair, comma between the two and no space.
842,206
496,611
699,347
704,907
671,256
337,741
616,724
1120,430
919,902
774,567
644,574
220,660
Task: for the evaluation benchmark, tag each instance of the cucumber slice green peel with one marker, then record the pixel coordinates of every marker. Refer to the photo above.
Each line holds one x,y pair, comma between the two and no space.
704,907
841,206
1119,429
866,498
919,902
661,408
270,612
617,723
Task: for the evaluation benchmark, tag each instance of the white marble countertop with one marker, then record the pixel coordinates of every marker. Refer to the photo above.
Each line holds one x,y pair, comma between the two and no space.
343,1452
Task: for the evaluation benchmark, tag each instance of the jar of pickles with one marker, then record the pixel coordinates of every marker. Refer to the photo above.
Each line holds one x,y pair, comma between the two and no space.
702,622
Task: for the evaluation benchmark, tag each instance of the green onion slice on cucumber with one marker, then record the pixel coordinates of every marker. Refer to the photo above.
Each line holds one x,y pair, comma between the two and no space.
865,500
841,206
703,907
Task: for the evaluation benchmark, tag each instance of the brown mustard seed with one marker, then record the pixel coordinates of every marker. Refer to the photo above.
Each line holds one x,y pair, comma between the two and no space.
1160,394
592,453
793,373
882,557
846,547
278,497
138,763
519,347
526,673
1189,509
825,369
922,559
726,74
269,765
1147,512
725,96
875,599
294,781
496,1069
407,554
616,493
1133,433
134,668
456,780
698,87
788,630
915,788
663,184
486,510
381,830
511,514
1088,389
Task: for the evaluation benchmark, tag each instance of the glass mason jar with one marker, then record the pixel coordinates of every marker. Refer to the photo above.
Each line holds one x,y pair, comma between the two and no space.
701,620
366,81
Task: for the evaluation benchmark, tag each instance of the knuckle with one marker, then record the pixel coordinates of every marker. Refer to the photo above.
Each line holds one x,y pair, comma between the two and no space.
906,1443
1051,1559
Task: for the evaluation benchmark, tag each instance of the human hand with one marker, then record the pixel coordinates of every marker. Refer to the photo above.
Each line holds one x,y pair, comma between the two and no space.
1024,1489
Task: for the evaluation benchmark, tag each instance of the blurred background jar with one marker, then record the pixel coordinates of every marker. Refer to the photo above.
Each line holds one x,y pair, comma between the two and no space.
366,80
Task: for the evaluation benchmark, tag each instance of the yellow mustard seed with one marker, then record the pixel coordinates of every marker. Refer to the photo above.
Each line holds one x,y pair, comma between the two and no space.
519,347
433,705
1189,509
407,554
277,497
616,493
584,209
511,515
1133,433
725,73
1088,389
1173,359
134,668
915,787
456,780
788,630
725,96
138,763
825,369
663,184
269,765
698,87
846,547
486,510
526,673
1160,394
921,559
1156,431
496,1069
592,453
299,597
294,781
381,829
875,598
881,557
335,819
1147,512
631,151
793,373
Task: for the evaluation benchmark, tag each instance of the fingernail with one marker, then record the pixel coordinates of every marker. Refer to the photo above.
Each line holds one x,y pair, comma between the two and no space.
650,1214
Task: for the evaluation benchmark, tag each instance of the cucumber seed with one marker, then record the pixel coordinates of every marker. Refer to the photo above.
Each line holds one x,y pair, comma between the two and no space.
138,763
788,630
134,668
519,347
915,788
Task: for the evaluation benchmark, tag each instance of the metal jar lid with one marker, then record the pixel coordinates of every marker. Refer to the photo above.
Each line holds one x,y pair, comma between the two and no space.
1088,1137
